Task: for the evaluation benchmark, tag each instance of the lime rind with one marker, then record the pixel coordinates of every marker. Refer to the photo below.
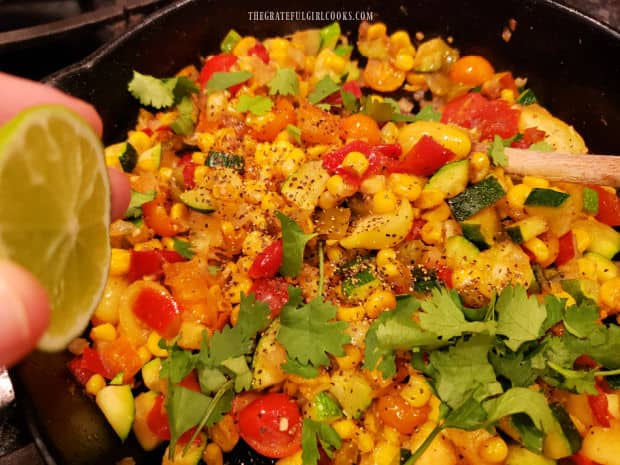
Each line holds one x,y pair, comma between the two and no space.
54,213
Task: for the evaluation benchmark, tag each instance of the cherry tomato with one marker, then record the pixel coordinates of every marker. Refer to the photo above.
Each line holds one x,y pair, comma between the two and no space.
241,401
397,413
156,217
424,158
189,167
472,70
608,207
600,408
317,126
83,366
191,382
267,263
271,425
266,128
382,76
350,86
272,291
158,310
567,248
361,127
149,263
216,64
120,356
157,419
260,51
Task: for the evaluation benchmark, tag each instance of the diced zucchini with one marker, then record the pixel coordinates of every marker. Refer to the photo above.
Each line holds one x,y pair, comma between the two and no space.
198,199
226,160
526,229
150,159
129,157
518,455
590,201
460,250
475,198
604,240
268,357
542,197
360,285
451,179
433,55
117,405
150,375
144,403
565,440
352,391
304,187
604,266
482,228
324,407
580,289
191,456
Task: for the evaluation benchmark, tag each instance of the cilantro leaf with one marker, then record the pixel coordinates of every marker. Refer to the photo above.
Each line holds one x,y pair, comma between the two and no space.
160,93
293,244
136,201
497,153
324,88
582,320
285,82
313,432
185,409
224,80
184,124
350,102
386,110
468,416
520,318
428,113
294,132
555,311
183,87
343,50
253,316
177,365
183,248
603,346
307,332
527,97
531,437
255,104
579,381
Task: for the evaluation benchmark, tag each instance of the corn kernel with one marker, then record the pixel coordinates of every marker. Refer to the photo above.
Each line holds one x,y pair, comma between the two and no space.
120,262
245,44
507,95
516,195
351,359
405,186
384,202
582,239
338,187
334,253
535,181
432,232
253,244
479,165
376,31
139,140
103,332
152,344
355,313
95,384
200,174
389,133
112,152
190,335
336,63
205,141
179,211
199,158
378,302
372,184
271,201
165,174
538,248
365,442
144,354
243,285
439,213
401,39
391,435
385,256
345,428
404,61
609,294
587,268
227,228
429,198
294,459
327,200
385,453
357,161
212,455
493,449
417,392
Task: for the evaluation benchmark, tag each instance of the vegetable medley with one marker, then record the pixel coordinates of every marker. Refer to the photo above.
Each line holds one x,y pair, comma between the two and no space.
324,258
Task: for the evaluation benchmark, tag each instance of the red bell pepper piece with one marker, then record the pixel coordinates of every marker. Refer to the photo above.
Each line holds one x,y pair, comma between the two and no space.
600,407
608,207
260,51
567,248
351,86
579,459
445,274
416,229
159,311
424,158
191,382
216,64
380,158
272,291
188,171
157,419
150,262
83,366
268,262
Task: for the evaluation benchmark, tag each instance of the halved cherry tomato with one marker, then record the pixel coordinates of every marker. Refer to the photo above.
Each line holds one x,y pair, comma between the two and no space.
472,70
120,356
158,310
83,366
156,217
267,263
266,128
397,413
216,64
600,407
381,158
361,127
271,425
150,262
157,419
272,291
317,126
260,51
568,248
608,207
424,158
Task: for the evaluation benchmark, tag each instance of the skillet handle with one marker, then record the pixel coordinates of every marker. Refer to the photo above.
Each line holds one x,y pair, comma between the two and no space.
26,455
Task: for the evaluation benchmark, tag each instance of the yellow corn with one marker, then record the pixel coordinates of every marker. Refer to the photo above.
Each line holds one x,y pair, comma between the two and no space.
336,63
327,200
294,459
609,294
112,152
479,165
379,301
404,61
385,453
227,228
205,141
224,433
365,442
391,435
351,359
95,384
538,248
179,211
349,314
400,39
384,202
587,268
372,184
167,118
507,95
139,140
120,261
345,428
242,285
406,186
271,201
245,44
200,173
253,244
562,294
389,133
439,213
429,198
493,449
582,238
199,158
190,335
376,31
144,354
338,187
535,181
334,253
357,161
432,232
517,194
167,243
417,392
103,332
152,344
385,257
165,174
212,455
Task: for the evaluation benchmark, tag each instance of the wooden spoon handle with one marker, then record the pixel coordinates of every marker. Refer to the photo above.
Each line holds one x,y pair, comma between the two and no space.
583,169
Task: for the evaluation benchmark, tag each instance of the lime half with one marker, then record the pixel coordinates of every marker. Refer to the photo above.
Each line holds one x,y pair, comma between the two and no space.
54,213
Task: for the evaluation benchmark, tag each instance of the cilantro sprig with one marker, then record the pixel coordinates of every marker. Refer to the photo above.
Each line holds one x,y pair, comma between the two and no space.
160,93
285,82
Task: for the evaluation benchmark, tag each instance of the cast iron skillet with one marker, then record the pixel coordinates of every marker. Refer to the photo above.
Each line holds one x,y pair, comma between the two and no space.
571,62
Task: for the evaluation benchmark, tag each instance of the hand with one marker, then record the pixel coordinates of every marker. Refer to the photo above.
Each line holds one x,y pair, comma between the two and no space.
24,306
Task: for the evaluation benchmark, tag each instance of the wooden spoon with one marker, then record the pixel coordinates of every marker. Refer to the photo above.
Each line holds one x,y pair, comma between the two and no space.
583,169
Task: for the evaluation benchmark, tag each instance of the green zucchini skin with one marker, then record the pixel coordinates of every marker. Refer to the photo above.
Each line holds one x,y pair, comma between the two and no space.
475,198
226,160
542,197
128,158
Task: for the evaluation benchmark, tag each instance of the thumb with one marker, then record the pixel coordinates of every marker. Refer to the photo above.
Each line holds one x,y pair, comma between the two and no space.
24,312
